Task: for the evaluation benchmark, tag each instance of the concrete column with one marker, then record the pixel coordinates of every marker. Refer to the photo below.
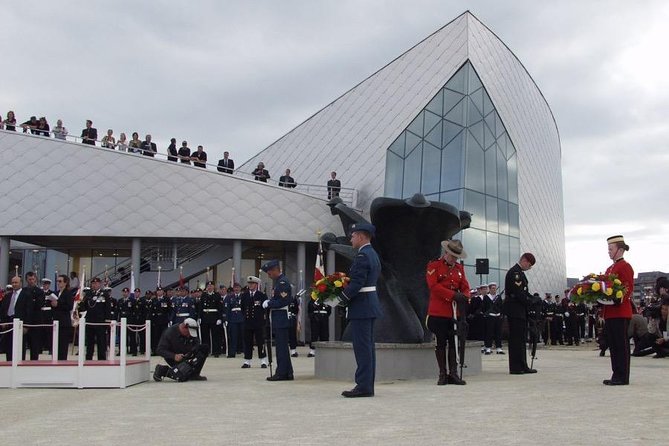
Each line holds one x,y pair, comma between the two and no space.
301,285
135,259
329,269
4,261
237,259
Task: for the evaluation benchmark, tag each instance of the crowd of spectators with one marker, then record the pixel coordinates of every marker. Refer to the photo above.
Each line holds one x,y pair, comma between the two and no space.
146,147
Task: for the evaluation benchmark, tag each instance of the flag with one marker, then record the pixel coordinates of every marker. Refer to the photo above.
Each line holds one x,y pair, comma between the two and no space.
82,282
132,284
181,277
319,272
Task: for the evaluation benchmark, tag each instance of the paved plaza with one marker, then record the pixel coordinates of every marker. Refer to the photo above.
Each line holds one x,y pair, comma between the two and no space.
565,403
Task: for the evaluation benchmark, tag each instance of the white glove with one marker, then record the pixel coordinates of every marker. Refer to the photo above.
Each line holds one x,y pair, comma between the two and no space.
199,321
566,314
265,304
219,322
169,324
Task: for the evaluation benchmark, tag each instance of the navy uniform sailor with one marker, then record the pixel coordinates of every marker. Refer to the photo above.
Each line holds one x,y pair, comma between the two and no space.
278,305
363,308
96,303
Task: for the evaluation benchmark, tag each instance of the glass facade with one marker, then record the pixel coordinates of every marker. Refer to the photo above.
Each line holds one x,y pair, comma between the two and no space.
457,151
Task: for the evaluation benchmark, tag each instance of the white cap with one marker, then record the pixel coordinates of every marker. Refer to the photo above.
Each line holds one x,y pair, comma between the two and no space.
252,279
192,326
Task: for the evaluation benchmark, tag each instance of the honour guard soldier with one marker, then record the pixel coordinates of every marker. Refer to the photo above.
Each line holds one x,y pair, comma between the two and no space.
161,308
254,322
447,283
295,325
278,305
141,313
516,304
581,312
97,305
557,327
363,308
319,318
126,309
211,317
184,306
235,317
46,314
548,313
571,322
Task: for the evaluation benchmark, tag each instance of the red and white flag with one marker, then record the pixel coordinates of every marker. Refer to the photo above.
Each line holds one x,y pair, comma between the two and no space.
319,272
82,282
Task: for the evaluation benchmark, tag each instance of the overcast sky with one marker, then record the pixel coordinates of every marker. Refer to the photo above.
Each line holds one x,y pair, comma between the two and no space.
238,75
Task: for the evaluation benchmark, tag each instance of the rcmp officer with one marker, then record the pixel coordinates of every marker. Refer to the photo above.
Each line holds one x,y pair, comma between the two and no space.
278,305
126,309
319,318
363,308
235,317
211,317
161,308
447,283
254,321
141,313
97,305
516,305
46,314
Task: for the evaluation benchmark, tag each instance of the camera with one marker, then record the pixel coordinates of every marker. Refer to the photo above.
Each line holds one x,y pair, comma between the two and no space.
652,311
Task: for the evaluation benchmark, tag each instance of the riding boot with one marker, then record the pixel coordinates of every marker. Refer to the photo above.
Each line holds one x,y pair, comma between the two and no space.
441,362
453,377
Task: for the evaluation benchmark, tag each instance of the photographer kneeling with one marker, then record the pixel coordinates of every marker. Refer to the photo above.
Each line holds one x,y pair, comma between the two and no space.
657,326
181,348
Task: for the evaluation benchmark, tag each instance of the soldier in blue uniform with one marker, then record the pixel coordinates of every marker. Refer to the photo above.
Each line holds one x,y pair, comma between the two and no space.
235,317
96,303
363,308
161,308
126,309
278,305
183,306
211,317
254,322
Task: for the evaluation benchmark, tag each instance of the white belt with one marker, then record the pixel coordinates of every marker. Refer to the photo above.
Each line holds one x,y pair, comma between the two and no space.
322,312
183,314
494,314
235,309
46,308
367,289
210,310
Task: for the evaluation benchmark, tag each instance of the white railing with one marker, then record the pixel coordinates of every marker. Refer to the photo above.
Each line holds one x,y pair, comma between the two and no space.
348,195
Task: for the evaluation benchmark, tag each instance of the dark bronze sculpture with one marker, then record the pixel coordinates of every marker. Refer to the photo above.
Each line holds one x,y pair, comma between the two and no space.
408,235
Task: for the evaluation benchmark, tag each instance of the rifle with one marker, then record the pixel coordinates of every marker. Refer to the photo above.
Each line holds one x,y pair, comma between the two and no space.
461,328
535,314
268,341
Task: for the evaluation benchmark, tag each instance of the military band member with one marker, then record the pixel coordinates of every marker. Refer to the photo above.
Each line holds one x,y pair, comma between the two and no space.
126,309
211,318
447,283
278,313
235,318
363,308
161,308
254,321
617,316
516,305
97,305
319,318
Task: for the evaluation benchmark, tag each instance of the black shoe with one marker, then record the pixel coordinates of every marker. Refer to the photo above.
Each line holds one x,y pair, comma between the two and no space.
216,355
529,370
280,378
610,382
246,366
159,372
517,372
263,366
602,352
500,352
294,355
659,355
197,378
355,393
455,379
310,355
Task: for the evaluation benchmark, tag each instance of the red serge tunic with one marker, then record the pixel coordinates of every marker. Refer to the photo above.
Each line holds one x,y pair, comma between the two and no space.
626,275
444,281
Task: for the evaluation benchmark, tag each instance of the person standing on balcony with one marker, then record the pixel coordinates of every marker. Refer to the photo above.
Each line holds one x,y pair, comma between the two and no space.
108,140
226,165
260,173
184,153
334,186
59,131
172,153
90,134
199,157
286,180
148,147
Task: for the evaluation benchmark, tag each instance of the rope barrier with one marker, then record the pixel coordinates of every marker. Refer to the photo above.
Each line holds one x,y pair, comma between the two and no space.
6,331
37,325
136,330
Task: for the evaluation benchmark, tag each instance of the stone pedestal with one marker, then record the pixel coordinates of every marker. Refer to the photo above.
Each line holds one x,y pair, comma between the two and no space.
335,360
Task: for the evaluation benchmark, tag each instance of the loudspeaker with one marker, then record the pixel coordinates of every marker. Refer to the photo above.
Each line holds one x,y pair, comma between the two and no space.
482,266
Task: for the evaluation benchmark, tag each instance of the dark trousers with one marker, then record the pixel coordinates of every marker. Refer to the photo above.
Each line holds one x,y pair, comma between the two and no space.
362,331
131,337
618,343
571,330
251,334
320,330
46,337
517,344
592,322
141,341
64,336
284,367
96,335
157,330
580,323
556,330
235,338
211,334
444,332
493,330
292,333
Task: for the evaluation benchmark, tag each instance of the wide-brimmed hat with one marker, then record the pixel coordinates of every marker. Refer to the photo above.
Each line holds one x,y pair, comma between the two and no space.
454,248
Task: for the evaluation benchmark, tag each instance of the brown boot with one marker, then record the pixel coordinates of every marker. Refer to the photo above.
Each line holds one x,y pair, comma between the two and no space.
441,361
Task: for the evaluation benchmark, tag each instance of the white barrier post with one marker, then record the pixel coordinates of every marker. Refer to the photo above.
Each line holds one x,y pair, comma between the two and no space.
17,348
54,342
147,339
82,352
112,342
123,350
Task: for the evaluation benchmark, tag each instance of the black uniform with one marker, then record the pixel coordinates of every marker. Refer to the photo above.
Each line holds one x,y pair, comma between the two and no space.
475,319
45,311
254,322
557,324
581,313
515,308
140,314
319,318
211,317
97,305
161,308
293,314
126,309
548,313
571,322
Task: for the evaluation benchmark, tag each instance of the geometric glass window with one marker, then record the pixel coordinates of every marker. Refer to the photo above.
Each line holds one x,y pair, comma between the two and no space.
457,150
